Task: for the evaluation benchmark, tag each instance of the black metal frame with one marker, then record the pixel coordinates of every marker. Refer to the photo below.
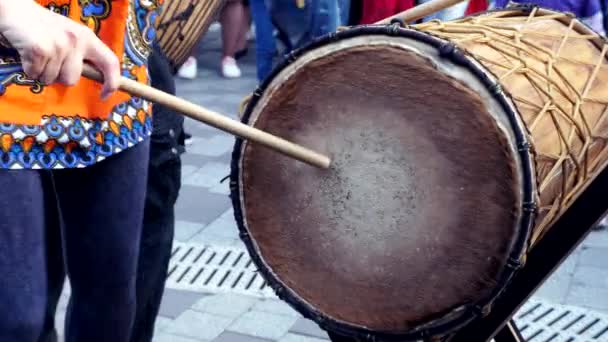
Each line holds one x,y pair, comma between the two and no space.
510,333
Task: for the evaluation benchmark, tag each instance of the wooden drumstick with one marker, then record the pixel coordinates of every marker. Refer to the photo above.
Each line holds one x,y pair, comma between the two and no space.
214,119
420,11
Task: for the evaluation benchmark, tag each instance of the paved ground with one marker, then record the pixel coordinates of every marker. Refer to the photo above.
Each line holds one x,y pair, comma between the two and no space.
204,217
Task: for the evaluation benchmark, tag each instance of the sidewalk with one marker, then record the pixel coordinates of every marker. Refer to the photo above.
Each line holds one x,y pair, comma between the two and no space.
232,304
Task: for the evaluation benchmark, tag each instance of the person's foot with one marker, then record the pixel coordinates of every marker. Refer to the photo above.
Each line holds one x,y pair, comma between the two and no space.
189,69
229,68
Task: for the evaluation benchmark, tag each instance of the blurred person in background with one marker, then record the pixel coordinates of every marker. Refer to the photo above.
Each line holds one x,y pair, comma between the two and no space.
477,6
265,43
344,7
296,23
376,10
235,23
588,11
450,13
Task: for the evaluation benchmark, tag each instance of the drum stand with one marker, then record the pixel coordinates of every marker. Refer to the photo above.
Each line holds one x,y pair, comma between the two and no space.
561,240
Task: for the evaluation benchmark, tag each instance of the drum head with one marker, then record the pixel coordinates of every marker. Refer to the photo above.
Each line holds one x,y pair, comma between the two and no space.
419,213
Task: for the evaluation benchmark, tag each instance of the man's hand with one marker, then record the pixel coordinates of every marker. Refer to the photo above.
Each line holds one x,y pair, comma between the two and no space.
53,48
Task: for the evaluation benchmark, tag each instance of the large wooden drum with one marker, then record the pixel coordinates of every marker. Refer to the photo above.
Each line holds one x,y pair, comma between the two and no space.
181,25
455,146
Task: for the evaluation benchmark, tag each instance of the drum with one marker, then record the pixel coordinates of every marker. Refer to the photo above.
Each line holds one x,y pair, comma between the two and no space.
182,24
455,146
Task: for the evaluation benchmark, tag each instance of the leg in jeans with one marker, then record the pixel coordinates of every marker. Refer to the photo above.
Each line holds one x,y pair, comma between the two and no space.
102,210
325,17
23,284
344,6
164,181
157,239
265,44
55,269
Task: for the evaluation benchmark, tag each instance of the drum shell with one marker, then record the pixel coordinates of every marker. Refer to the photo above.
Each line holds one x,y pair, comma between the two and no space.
550,192
561,98
182,24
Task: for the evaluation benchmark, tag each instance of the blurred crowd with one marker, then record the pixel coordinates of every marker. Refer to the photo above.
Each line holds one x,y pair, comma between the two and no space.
280,26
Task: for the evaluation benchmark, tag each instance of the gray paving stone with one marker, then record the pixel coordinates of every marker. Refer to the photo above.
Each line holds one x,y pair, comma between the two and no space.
597,239
185,230
569,265
230,305
262,324
594,256
192,126
591,297
164,337
208,176
60,321
224,227
198,205
200,160
228,336
162,323
213,146
307,327
222,188
63,301
188,169
555,289
175,303
591,277
198,325
276,307
301,338
212,239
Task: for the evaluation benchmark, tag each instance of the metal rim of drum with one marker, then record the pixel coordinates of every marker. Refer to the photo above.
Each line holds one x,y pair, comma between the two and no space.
460,316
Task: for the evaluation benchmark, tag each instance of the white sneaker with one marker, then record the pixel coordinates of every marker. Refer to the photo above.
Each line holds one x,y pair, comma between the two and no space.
215,27
189,69
251,33
229,68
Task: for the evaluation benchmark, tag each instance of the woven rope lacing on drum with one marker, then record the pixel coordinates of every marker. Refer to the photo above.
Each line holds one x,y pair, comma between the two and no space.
541,68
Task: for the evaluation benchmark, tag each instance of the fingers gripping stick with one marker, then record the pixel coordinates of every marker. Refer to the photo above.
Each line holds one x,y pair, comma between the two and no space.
216,120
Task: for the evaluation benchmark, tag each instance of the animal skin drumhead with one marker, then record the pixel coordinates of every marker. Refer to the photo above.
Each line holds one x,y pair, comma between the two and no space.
419,211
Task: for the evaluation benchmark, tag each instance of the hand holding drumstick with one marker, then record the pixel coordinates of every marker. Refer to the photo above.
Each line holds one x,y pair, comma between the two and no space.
53,49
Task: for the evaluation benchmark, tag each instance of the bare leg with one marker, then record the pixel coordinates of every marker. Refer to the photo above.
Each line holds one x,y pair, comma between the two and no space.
245,26
232,20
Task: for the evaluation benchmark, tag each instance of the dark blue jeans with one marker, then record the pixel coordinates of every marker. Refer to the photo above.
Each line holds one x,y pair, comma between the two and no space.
99,210
265,44
164,182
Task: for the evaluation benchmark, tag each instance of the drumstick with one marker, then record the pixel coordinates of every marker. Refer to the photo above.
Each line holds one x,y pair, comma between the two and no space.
420,11
214,119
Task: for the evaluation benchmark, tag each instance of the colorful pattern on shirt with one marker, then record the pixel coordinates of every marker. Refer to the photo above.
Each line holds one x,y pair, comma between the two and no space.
76,141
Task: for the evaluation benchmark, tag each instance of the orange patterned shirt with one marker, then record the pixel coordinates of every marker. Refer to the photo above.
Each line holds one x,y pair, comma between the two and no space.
55,126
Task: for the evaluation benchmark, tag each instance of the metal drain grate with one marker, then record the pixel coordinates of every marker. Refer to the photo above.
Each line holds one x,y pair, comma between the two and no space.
201,268
213,269
540,321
